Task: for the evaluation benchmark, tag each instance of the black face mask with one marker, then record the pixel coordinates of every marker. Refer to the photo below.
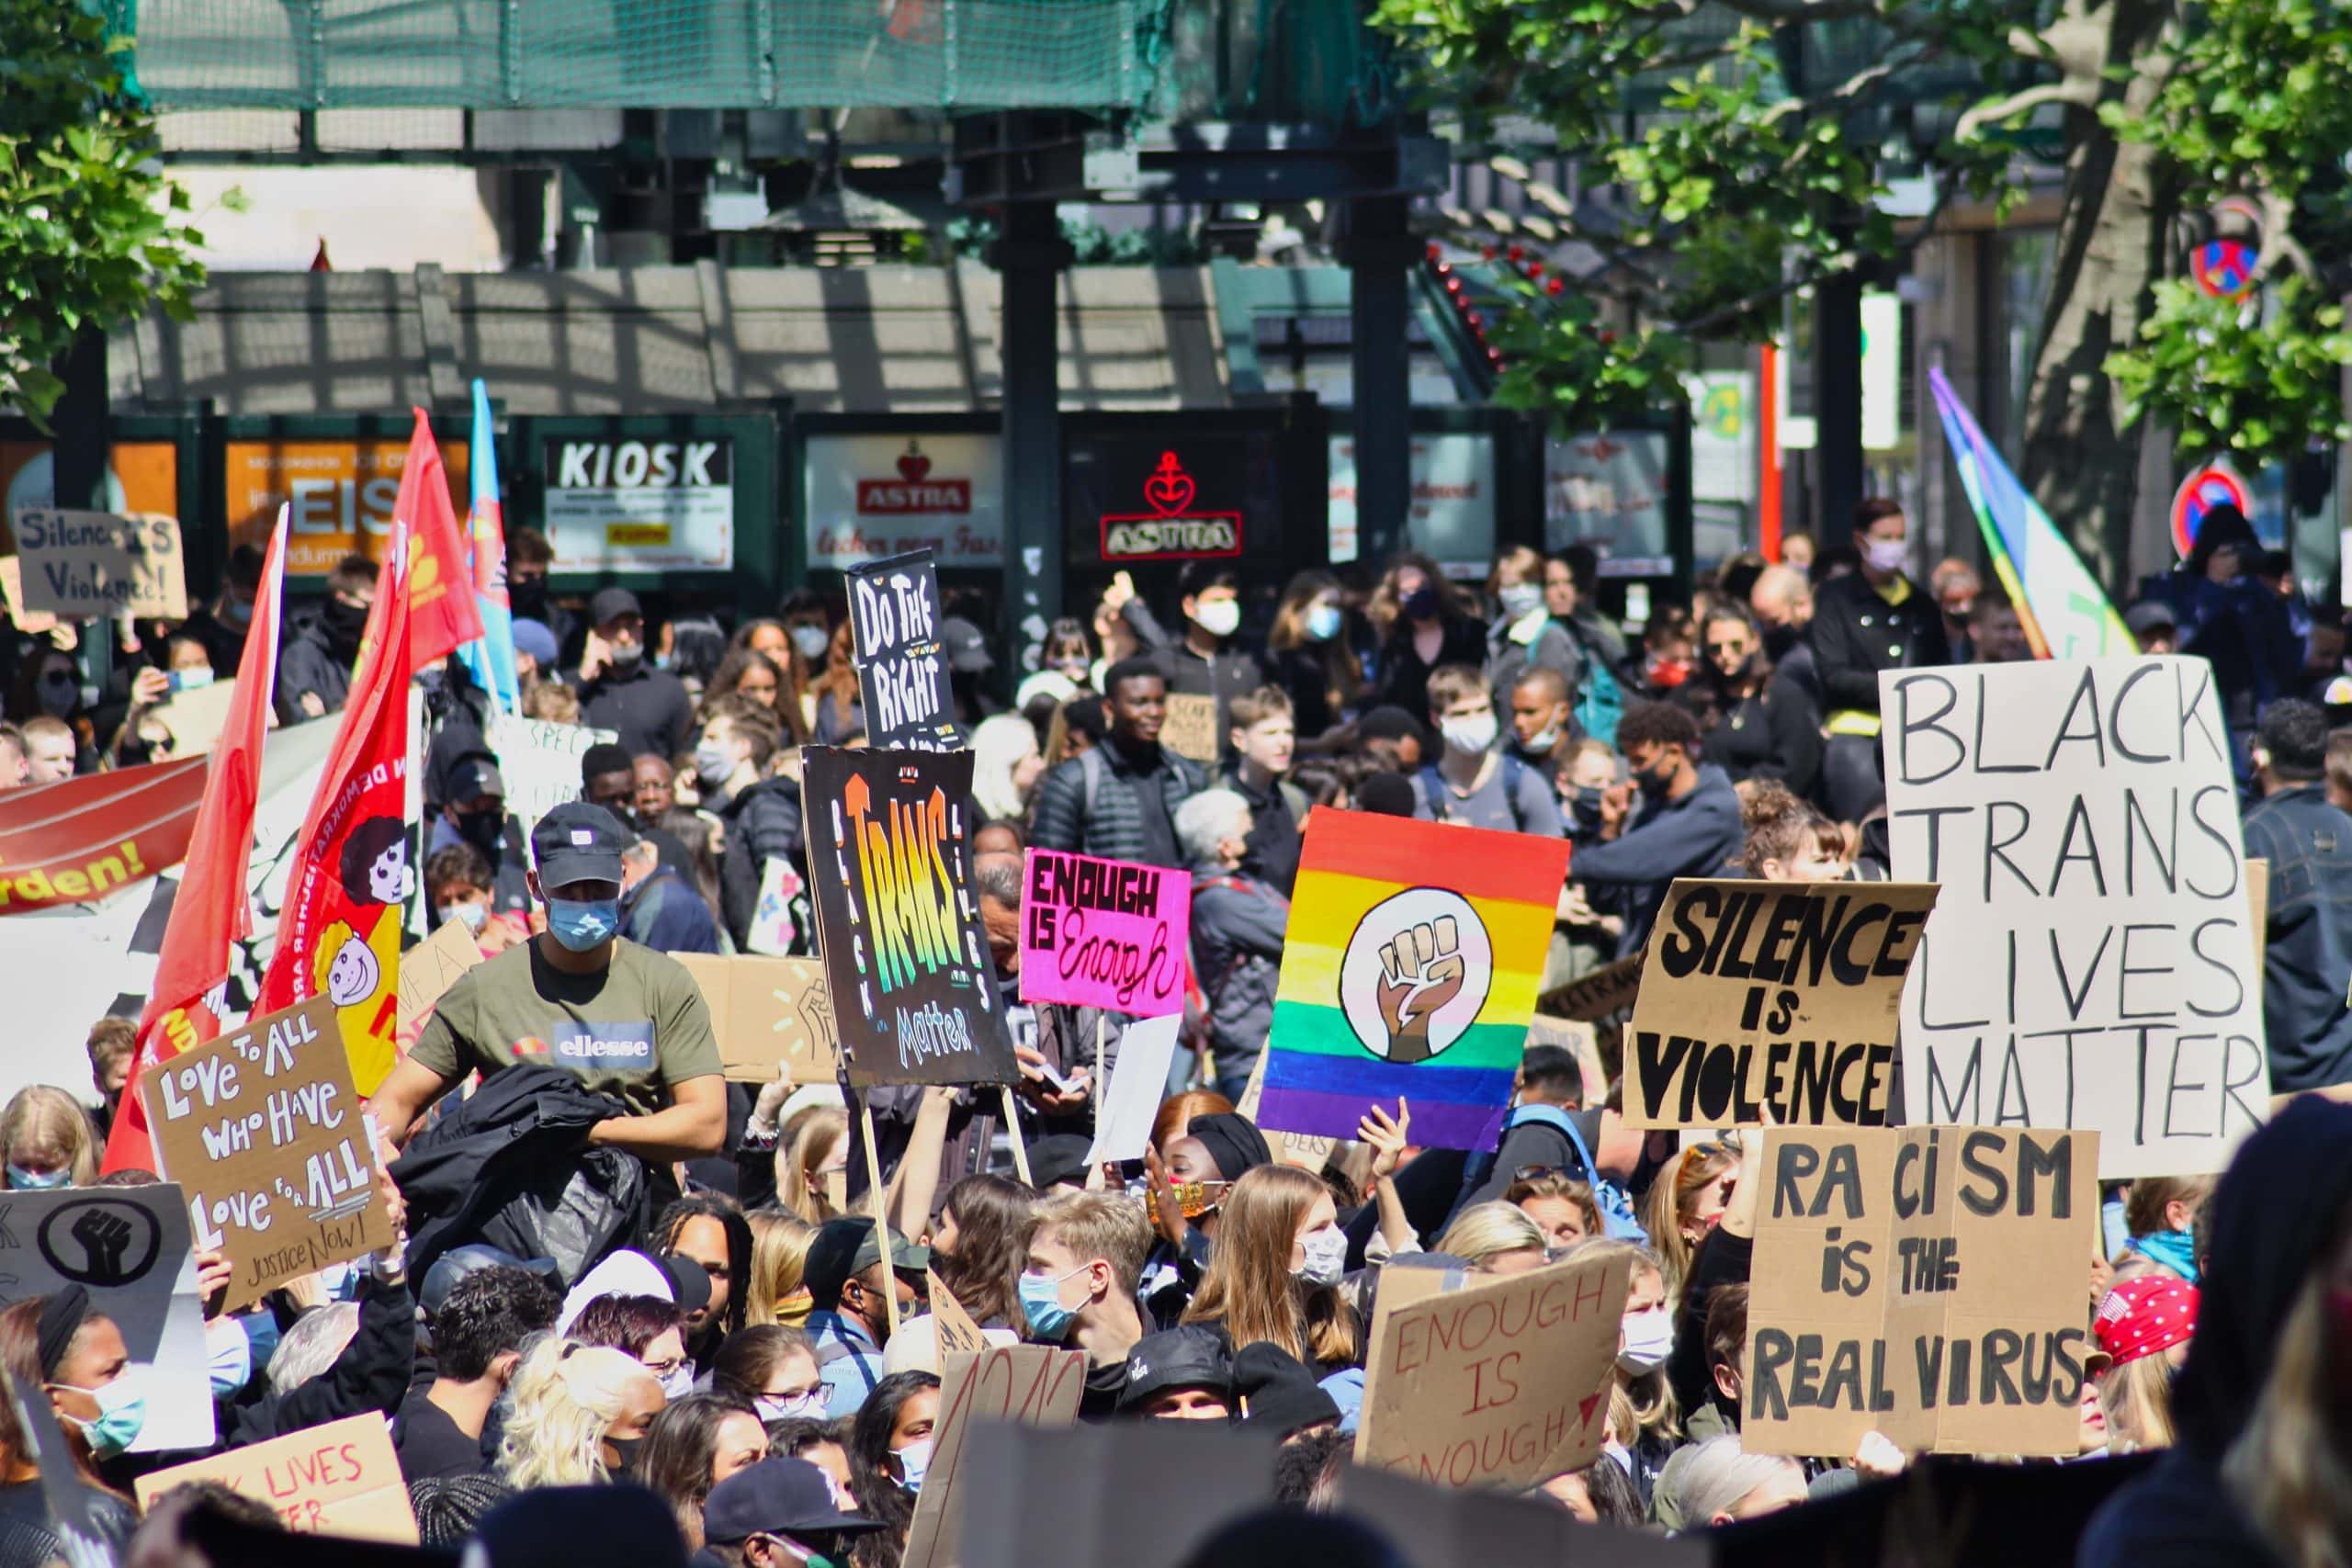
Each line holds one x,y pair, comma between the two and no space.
344,624
1586,808
1656,782
527,597
1420,604
485,830
626,1448
1779,640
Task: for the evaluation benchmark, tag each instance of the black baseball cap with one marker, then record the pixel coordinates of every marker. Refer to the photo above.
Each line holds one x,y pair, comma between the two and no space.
610,604
776,1496
1057,1158
844,1248
689,1281
1193,1356
967,647
474,777
455,1264
579,843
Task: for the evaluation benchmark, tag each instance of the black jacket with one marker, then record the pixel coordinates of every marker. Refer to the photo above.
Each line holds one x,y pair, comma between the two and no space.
511,1167
1856,633
763,823
648,709
370,1377
309,663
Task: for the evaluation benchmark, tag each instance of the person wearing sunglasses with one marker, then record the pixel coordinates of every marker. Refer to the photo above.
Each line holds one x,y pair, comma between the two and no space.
1755,725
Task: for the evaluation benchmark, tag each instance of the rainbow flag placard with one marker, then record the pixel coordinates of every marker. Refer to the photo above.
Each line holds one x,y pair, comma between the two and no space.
1410,969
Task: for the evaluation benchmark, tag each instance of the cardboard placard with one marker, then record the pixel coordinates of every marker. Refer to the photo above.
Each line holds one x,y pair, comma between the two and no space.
539,759
1034,1385
915,997
85,566
1771,997
1189,729
1583,1041
1104,933
1926,1282
1138,1083
2258,905
31,621
129,1247
774,930
1101,1494
1606,992
1501,1383
954,1325
893,621
339,1479
263,1128
428,970
197,717
768,1013
2090,961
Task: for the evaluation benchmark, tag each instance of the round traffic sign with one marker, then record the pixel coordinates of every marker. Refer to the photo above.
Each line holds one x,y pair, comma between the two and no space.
2224,268
2203,491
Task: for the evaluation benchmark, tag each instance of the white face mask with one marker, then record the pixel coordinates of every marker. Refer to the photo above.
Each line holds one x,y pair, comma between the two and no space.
1649,1340
1885,555
1326,1256
1218,617
1470,733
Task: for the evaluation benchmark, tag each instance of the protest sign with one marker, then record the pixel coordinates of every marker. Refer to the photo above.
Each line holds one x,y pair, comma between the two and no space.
1138,1081
768,1013
1104,933
196,717
85,566
428,970
1931,1282
340,1479
1032,1384
1580,1040
1502,1384
129,1247
1442,1527
915,997
539,760
80,839
1189,727
781,911
1604,993
1409,969
893,621
2090,961
954,1325
263,1128
84,1540
1102,1493
31,621
1772,1000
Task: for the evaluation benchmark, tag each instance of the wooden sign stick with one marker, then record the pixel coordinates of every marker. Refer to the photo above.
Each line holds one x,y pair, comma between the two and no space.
881,1210
1013,1130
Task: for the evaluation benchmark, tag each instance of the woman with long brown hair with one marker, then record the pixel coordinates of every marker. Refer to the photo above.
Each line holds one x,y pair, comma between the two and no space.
840,712
1756,725
1683,1205
981,1244
1424,626
746,672
1312,655
1275,1274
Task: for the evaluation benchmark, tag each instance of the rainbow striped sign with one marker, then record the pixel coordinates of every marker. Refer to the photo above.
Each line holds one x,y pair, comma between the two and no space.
1410,970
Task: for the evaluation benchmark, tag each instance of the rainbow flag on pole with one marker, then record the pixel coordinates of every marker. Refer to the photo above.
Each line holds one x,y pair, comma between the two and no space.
2064,612
1410,969
490,659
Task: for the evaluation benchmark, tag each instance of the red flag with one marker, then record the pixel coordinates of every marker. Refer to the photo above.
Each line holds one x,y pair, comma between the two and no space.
319,263
339,930
442,612
212,909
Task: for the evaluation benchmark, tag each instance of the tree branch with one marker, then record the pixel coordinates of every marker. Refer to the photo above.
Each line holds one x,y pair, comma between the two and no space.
2083,92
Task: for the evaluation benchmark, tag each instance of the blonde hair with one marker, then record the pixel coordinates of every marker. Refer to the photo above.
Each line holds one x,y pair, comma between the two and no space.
1577,1194
566,1397
2136,1398
1673,1201
551,702
2286,1469
1110,1226
1250,1287
807,1141
45,1120
779,1251
1483,1232
1638,1402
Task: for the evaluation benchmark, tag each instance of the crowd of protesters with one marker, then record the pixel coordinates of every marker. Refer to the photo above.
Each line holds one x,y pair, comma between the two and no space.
743,1344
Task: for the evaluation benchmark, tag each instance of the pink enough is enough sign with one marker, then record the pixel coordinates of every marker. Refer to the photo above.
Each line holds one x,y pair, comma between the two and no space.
1106,933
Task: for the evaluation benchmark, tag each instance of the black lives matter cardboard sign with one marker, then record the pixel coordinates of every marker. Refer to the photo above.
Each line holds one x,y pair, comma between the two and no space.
894,620
1931,1282
1776,998
2091,960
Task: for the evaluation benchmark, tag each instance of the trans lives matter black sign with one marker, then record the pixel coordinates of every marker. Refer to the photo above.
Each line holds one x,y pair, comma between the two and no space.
1772,996
894,620
2090,962
915,997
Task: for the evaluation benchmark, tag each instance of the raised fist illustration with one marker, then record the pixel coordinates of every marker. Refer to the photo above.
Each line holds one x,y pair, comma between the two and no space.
1420,971
105,1237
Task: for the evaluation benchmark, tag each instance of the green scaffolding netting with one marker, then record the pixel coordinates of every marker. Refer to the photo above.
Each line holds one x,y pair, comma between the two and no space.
494,54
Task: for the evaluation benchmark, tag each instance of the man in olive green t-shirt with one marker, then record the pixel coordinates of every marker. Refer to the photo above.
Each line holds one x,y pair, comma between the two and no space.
626,1020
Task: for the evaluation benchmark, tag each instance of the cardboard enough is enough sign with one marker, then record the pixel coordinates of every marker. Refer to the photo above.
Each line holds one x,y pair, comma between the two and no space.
264,1129
1771,997
1104,933
1929,1282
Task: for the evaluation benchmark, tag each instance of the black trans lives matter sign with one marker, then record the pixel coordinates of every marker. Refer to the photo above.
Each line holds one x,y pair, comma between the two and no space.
902,663
915,997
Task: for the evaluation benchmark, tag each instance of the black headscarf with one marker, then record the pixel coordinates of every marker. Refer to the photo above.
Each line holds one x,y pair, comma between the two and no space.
61,1316
1234,1144
2277,1209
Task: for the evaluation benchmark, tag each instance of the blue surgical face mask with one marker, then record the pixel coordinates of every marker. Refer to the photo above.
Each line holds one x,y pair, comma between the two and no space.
122,1414
23,1181
913,1460
1519,600
229,1356
1041,1303
583,924
1323,622
812,641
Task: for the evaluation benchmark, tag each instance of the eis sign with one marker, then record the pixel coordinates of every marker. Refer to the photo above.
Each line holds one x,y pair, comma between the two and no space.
1173,529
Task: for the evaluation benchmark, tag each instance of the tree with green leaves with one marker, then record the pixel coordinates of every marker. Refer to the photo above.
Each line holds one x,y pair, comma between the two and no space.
91,232
1743,148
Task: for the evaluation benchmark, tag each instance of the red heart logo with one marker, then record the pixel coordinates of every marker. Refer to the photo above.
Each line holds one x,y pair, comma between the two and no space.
914,466
1169,488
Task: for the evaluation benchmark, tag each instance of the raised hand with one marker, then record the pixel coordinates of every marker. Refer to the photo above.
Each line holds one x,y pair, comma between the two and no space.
1386,1137
1420,971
